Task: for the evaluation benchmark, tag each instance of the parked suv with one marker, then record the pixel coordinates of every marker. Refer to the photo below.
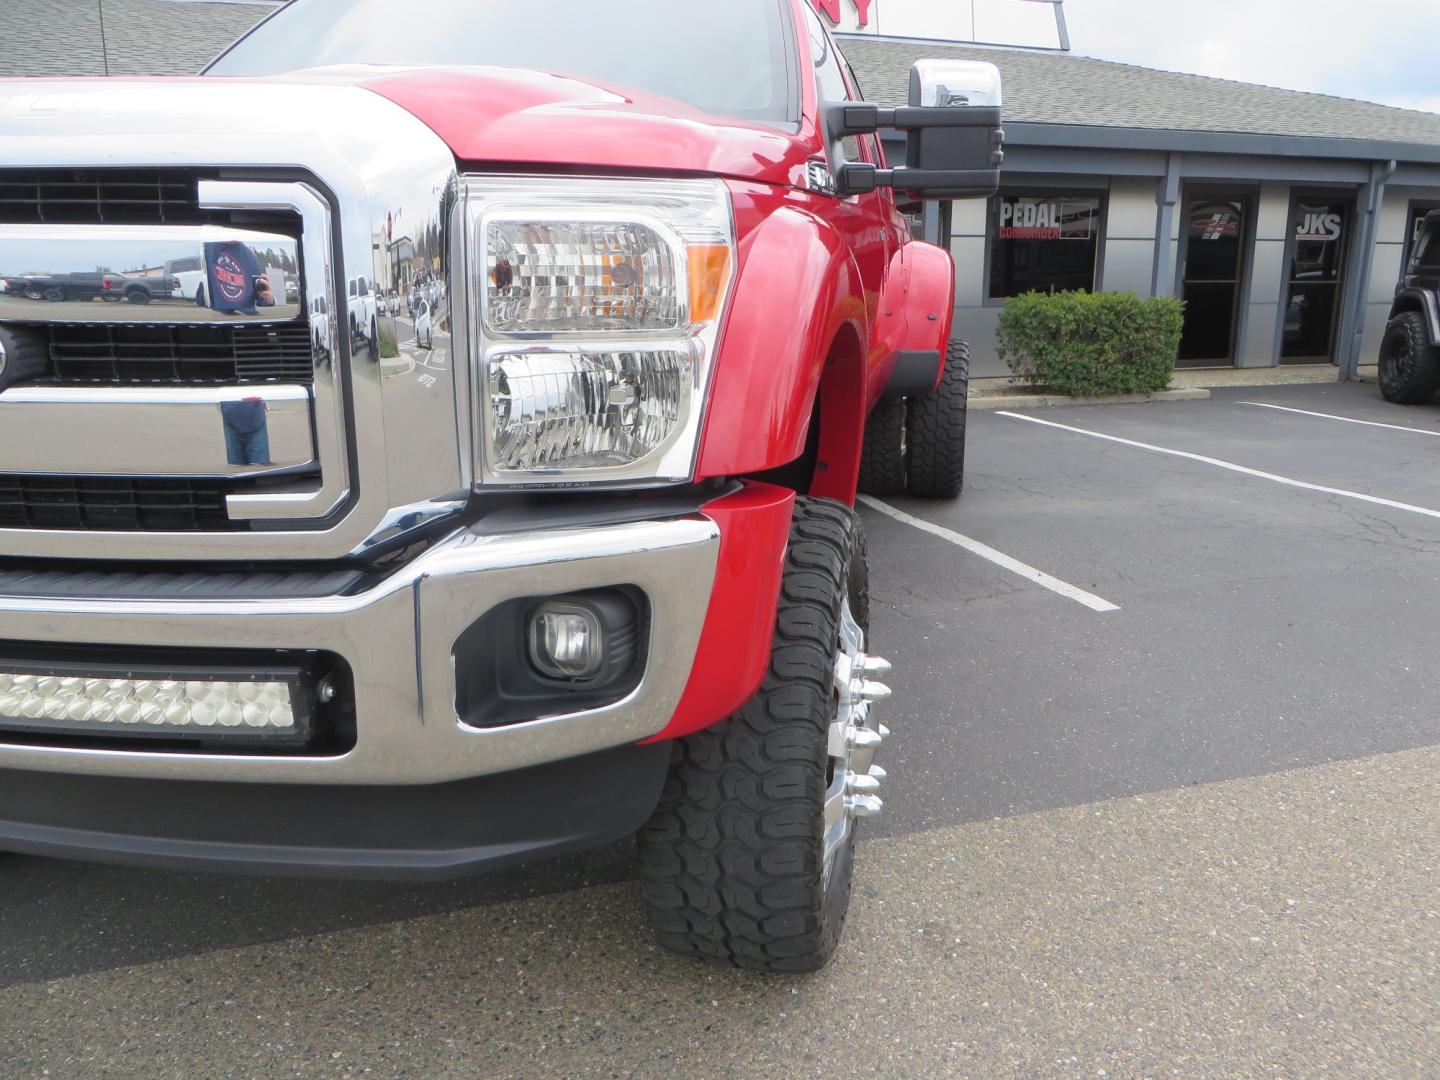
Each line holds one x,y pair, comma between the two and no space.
592,567
1410,353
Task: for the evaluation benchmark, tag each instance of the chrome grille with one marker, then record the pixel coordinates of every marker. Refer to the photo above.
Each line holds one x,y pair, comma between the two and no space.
105,196
123,355
113,505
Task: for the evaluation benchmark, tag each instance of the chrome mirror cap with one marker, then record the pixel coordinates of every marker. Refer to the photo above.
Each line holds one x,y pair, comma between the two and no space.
948,84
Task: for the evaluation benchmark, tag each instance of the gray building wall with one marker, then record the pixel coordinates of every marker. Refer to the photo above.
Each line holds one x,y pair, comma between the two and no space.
1133,259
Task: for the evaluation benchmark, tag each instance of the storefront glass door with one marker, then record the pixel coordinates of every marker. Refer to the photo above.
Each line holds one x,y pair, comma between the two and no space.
1215,232
1317,279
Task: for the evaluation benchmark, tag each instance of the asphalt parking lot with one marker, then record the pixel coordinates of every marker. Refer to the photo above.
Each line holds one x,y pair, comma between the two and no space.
1186,827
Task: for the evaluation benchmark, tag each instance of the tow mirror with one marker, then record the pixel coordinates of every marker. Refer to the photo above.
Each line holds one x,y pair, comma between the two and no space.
954,143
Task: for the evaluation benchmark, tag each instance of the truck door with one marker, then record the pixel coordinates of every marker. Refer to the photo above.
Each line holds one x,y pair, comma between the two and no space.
866,221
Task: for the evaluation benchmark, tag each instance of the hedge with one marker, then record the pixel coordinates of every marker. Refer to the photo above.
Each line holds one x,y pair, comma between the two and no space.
1087,344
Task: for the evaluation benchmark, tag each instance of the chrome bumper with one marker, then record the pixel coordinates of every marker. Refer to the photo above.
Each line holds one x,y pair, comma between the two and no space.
398,639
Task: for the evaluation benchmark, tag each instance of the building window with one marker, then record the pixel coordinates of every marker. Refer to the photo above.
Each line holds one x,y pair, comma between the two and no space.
1041,243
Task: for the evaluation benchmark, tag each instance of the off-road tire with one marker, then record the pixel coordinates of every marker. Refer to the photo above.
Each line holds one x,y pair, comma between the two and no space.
935,456
882,454
138,296
1409,361
732,860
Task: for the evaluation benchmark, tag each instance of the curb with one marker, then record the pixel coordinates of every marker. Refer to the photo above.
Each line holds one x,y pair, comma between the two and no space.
1042,401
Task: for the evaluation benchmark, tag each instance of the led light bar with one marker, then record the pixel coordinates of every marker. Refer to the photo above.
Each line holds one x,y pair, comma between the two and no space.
186,706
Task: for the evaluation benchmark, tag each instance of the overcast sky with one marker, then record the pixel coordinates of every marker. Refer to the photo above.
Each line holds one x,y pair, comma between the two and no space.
1374,50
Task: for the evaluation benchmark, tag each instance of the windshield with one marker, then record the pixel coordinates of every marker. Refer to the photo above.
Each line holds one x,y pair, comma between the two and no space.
730,58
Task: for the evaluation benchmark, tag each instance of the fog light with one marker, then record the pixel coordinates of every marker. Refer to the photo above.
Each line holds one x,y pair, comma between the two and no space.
566,641
193,708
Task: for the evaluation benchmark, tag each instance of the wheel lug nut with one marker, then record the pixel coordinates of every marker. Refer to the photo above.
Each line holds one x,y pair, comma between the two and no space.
878,774
875,665
861,784
858,738
863,805
868,690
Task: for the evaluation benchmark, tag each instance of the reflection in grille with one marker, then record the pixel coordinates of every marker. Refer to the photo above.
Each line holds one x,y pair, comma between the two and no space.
150,355
108,196
112,504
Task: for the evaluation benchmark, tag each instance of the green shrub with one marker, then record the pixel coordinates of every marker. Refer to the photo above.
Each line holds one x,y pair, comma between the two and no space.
1087,344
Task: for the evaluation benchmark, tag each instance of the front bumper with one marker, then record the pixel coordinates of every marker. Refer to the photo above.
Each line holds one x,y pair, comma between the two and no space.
397,638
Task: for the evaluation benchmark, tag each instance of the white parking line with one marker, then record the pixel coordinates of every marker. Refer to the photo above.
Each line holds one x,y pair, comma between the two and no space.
1347,419
1232,467
999,558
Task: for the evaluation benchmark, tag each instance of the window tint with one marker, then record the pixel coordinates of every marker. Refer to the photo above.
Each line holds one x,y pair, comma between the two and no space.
1427,248
1041,243
731,58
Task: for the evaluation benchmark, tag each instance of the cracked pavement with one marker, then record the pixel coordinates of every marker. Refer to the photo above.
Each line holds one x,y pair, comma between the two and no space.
1194,837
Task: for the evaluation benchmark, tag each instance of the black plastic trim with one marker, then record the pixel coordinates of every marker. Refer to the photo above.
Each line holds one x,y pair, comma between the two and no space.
407,832
915,373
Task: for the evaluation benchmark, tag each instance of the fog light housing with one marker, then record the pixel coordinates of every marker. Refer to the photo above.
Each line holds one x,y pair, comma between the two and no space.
566,640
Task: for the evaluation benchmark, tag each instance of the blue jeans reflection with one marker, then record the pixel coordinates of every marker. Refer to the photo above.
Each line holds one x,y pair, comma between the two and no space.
247,439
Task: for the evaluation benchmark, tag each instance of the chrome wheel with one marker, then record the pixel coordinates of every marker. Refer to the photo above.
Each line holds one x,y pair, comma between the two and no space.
854,788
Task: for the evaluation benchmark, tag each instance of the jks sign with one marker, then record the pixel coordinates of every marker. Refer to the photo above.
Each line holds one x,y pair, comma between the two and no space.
834,10
1323,224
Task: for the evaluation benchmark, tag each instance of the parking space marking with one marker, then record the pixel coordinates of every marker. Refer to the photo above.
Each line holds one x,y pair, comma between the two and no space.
1346,419
1244,470
999,558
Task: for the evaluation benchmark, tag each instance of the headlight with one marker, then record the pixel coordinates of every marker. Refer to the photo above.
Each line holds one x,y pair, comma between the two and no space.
596,305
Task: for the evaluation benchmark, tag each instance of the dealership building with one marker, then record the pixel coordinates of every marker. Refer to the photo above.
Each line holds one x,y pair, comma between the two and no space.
1281,218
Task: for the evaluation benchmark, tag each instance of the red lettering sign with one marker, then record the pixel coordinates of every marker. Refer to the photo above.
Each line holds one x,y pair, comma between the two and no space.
831,10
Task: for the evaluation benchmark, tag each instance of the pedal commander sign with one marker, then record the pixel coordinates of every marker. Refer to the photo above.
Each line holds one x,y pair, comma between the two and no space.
1046,219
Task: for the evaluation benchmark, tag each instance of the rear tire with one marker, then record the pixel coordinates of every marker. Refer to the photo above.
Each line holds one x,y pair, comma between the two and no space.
882,455
138,296
935,457
741,863
1409,363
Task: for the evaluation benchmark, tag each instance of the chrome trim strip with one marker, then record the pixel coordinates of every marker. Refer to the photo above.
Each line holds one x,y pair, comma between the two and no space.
156,274
143,431
408,731
318,273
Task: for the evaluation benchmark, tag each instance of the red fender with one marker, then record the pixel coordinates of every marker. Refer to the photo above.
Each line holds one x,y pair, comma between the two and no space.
797,289
930,304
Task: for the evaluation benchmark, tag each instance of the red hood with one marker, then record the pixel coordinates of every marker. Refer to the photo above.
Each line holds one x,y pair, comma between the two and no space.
519,117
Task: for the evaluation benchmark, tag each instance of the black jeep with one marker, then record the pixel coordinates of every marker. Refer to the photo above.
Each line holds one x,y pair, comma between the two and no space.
1410,353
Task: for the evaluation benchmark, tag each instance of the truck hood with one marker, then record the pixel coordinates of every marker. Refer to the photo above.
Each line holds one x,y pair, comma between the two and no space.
516,117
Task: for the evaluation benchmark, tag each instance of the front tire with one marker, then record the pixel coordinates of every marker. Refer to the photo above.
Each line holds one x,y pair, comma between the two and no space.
935,459
882,454
1409,363
748,857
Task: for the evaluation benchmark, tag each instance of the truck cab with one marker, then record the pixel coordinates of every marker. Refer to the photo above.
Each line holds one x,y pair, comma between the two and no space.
284,593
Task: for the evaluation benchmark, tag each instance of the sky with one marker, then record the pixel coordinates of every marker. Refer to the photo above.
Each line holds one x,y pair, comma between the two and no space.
1374,50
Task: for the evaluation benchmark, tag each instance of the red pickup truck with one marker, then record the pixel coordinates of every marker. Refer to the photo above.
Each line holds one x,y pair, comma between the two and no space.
289,584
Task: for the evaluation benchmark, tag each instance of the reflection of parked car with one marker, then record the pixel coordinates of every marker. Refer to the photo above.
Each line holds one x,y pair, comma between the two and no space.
424,331
143,290
187,278
58,287
1410,351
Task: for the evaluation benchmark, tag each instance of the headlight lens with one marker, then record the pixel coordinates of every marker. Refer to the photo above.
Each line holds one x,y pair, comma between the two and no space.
586,407
597,306
556,276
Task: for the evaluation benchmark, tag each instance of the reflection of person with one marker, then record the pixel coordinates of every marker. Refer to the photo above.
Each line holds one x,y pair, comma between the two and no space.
238,282
247,439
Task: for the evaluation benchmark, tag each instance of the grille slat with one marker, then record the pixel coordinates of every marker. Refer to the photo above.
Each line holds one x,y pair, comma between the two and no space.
112,504
101,196
124,354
